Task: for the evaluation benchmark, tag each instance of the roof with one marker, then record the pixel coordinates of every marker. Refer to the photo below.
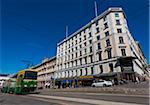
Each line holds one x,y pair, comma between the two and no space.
46,60
112,9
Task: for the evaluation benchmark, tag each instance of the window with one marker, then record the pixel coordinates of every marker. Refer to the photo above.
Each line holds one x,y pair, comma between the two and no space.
85,58
97,30
105,25
119,30
116,15
84,37
80,61
118,22
123,52
76,54
86,73
109,53
92,71
72,56
90,49
80,46
90,41
80,40
85,50
80,71
100,56
98,37
76,41
76,62
84,30
72,49
84,43
69,45
107,33
107,42
121,40
96,23
101,68
72,63
91,58
76,72
104,18
76,36
111,67
90,34
80,53
98,46
76,48
65,65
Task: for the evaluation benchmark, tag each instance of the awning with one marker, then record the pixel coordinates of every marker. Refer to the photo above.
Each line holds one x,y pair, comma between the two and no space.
122,59
84,77
106,74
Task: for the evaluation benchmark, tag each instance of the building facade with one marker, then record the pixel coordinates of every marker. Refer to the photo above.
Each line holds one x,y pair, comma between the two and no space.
3,78
103,48
46,71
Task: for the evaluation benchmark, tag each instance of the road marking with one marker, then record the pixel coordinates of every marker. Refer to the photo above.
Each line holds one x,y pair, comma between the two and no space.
89,101
106,94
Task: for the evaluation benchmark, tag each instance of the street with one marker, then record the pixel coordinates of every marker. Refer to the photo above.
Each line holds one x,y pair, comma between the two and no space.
73,98
10,99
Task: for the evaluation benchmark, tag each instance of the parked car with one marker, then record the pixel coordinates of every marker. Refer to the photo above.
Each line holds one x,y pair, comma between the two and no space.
101,83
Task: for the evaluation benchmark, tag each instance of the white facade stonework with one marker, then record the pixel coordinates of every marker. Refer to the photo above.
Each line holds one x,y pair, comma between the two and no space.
96,47
46,71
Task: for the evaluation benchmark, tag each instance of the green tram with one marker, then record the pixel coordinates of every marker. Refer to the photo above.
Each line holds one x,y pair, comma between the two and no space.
24,82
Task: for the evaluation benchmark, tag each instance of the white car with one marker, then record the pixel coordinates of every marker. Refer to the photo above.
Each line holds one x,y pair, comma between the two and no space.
103,83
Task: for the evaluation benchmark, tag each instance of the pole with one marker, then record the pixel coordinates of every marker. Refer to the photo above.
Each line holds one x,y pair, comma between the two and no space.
66,31
95,6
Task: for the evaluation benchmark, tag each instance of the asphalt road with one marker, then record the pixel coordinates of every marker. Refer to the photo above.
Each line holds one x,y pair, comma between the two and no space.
11,99
136,99
73,98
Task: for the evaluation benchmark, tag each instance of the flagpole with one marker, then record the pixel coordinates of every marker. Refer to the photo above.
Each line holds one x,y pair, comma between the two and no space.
95,6
66,31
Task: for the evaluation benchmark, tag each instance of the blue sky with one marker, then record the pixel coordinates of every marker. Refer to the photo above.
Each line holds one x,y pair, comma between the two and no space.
31,29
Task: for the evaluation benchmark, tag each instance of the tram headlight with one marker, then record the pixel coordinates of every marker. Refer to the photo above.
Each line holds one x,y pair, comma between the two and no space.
25,85
35,85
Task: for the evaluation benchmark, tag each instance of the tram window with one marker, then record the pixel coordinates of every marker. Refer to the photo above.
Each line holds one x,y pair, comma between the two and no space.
30,75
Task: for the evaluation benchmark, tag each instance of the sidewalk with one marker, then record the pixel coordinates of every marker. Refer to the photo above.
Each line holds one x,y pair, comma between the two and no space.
133,89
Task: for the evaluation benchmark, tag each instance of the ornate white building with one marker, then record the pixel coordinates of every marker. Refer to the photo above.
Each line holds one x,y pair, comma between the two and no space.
103,48
46,71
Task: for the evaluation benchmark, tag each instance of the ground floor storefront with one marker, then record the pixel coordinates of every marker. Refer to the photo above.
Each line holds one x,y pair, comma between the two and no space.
84,81
81,81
